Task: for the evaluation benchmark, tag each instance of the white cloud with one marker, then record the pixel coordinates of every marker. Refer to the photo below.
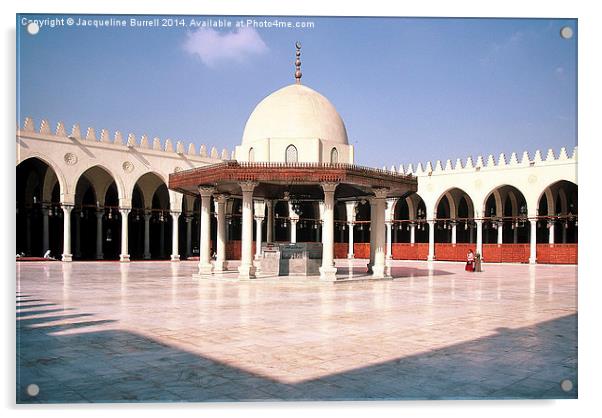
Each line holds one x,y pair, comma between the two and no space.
213,46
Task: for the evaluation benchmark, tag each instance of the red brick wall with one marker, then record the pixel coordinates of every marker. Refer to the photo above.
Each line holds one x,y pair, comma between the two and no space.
341,249
361,250
506,253
557,253
404,251
452,252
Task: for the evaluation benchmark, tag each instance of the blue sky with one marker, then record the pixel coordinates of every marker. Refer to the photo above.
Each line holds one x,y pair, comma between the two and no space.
409,89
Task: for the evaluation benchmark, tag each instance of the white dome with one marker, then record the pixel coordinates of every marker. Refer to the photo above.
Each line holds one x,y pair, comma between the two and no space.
295,112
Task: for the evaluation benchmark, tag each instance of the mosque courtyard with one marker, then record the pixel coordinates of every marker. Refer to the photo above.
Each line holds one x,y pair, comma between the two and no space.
148,331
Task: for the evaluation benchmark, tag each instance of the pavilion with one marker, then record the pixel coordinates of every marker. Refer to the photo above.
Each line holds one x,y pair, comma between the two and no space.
294,148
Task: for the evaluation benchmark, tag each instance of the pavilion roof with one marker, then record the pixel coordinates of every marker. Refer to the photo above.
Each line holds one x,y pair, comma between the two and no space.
300,179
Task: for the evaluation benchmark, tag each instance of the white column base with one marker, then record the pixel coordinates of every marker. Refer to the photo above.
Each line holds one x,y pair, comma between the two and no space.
328,274
67,257
350,256
532,260
175,257
257,257
205,269
219,266
381,272
246,272
146,256
124,258
430,258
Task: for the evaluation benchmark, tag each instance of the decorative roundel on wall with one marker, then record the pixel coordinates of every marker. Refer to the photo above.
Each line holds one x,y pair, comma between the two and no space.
127,166
478,183
532,178
177,169
70,158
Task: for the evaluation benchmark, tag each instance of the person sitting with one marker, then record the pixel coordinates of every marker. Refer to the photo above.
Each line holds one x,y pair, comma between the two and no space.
469,261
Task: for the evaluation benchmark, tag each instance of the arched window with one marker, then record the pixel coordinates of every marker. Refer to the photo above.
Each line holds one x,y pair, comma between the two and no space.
251,155
291,154
334,156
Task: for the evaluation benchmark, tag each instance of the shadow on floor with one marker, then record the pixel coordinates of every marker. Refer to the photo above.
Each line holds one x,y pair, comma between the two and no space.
120,366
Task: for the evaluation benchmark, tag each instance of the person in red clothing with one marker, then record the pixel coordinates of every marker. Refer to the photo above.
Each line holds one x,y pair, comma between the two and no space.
469,261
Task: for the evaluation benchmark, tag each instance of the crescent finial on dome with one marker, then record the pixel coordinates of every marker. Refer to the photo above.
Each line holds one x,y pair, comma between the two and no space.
298,74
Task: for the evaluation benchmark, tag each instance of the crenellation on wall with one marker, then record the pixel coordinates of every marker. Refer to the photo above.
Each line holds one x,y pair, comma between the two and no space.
144,142
191,149
76,132
60,130
487,164
501,161
90,134
28,125
45,127
131,141
104,137
118,138
525,160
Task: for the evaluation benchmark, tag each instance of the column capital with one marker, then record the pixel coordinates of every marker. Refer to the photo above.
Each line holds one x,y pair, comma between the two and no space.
175,213
220,198
67,206
206,191
380,192
329,187
147,215
248,186
125,211
100,213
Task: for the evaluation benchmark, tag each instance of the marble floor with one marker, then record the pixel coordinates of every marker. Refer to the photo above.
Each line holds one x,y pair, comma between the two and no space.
148,331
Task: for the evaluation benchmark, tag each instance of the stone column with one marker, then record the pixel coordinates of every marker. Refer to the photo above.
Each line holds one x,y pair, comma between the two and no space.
515,234
533,242
500,233
258,210
350,208
161,238
125,254
293,230
77,252
220,259
379,269
389,253
99,214
67,256
188,220
373,221
45,230
328,271
412,233
479,223
454,230
564,234
350,227
175,230
551,233
205,266
270,221
246,269
147,217
431,254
